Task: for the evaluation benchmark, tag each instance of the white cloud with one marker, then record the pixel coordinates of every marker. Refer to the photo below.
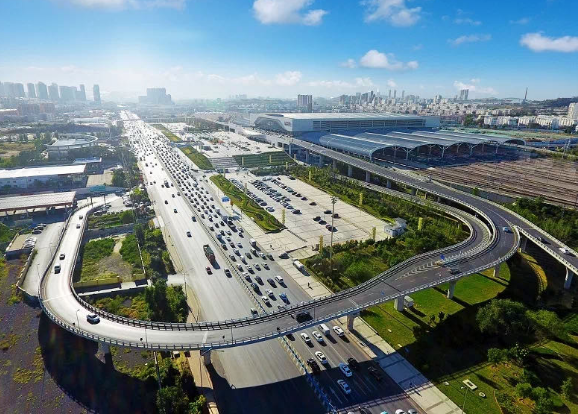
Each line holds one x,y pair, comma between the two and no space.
417,47
475,80
395,12
349,63
288,78
128,4
375,59
470,39
467,20
475,88
539,43
521,21
391,83
287,11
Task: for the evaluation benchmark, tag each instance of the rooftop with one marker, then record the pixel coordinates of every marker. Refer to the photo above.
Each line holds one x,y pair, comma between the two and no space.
36,201
42,171
87,160
342,116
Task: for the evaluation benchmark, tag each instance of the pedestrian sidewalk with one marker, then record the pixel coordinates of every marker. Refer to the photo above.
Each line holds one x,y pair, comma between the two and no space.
422,391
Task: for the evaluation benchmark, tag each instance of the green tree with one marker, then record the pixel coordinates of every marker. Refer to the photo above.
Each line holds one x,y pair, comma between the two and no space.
127,217
172,400
197,406
524,389
544,405
504,318
497,355
118,178
567,388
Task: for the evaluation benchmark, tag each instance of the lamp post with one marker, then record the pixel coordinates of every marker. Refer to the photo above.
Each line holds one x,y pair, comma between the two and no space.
465,396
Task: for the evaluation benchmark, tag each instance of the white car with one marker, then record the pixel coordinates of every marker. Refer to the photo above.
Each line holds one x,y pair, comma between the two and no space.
399,411
305,337
345,369
564,250
321,357
265,265
318,337
345,387
338,331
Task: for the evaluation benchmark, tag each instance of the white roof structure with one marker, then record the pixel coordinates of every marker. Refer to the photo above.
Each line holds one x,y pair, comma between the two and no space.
42,200
42,171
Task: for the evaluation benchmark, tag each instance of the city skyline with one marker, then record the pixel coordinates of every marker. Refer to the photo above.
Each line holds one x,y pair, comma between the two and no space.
280,49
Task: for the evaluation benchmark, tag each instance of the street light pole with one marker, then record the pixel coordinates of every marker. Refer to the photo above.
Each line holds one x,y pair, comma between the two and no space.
465,396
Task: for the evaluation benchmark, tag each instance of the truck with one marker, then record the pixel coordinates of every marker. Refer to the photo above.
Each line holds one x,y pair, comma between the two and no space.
253,242
209,253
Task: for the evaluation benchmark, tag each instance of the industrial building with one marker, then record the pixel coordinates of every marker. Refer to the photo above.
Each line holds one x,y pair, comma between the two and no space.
297,124
42,177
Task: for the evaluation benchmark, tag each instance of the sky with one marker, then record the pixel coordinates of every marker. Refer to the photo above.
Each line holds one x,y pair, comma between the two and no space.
279,48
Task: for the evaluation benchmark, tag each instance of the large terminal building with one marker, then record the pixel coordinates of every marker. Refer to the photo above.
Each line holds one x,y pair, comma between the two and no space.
379,136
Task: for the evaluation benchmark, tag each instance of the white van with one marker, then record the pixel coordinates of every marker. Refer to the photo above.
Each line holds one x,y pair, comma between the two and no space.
279,280
325,329
253,242
254,252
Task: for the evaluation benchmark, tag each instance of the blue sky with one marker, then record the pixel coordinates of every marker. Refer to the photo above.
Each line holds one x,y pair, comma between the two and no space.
278,48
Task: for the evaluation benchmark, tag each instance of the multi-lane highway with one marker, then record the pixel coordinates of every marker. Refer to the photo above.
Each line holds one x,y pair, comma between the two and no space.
488,245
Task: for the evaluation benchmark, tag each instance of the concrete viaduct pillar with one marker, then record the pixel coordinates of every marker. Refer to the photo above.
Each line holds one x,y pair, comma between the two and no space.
334,165
413,191
350,319
568,279
497,270
290,150
307,155
451,289
320,161
398,304
349,170
206,357
367,177
523,243
388,184
104,348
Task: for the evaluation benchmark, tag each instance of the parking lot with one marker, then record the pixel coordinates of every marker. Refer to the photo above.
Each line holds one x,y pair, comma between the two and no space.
232,143
308,212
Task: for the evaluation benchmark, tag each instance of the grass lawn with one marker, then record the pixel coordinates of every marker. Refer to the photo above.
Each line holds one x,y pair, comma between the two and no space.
130,306
167,133
265,220
263,160
199,159
93,252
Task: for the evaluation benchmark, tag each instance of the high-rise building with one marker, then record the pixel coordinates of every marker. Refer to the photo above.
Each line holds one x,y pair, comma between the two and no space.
402,95
394,93
1,89
20,90
81,94
464,94
53,92
96,93
68,93
31,90
389,94
573,110
305,102
41,91
156,96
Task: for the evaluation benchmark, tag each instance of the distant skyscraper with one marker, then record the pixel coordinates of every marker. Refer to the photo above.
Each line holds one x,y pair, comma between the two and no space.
96,93
464,94
1,89
31,90
53,92
156,96
20,90
81,94
394,93
573,110
402,94
41,91
390,94
305,101
68,93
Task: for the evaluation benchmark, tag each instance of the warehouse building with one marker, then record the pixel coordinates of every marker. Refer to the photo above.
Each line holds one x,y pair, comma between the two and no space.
39,178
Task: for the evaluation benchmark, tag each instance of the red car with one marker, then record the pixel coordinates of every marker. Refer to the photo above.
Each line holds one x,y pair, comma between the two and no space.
209,271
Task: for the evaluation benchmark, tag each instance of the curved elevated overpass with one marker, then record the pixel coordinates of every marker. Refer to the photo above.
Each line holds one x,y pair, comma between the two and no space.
488,245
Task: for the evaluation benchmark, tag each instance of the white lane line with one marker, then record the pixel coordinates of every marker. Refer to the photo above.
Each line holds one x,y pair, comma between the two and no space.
57,297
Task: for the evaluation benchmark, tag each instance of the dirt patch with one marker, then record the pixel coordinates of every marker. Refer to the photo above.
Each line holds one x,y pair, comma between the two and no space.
114,265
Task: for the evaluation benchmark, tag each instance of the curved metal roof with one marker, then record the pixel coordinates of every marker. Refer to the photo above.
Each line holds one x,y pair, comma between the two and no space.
366,143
